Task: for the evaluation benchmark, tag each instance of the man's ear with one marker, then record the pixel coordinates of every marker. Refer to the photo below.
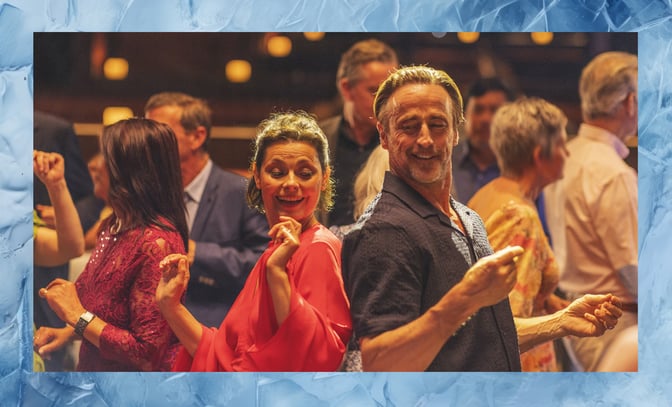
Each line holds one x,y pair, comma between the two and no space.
456,138
200,134
631,103
344,88
382,135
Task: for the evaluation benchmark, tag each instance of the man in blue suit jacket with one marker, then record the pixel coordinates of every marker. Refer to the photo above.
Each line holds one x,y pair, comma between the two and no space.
226,237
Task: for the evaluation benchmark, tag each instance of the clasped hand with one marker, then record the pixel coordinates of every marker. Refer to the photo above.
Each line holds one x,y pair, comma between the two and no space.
61,295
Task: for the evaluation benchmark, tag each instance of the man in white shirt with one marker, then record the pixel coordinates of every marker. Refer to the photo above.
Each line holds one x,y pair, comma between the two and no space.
593,210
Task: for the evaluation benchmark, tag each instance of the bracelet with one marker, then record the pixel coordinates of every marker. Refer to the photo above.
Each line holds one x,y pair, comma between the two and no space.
83,322
463,324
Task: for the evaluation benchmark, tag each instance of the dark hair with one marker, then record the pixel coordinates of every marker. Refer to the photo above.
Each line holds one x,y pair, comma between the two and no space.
195,111
283,127
416,75
145,178
485,85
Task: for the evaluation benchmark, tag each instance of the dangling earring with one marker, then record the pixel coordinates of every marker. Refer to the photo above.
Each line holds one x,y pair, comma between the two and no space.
116,227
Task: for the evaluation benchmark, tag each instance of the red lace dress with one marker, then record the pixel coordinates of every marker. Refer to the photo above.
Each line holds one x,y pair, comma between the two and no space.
118,285
312,337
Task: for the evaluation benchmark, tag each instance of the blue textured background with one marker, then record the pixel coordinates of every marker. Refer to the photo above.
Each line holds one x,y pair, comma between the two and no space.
19,387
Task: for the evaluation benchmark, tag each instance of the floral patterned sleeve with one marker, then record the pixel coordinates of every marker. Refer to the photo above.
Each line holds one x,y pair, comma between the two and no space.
147,341
517,224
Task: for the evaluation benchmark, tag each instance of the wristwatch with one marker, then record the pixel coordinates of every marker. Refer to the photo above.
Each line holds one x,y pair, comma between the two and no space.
83,321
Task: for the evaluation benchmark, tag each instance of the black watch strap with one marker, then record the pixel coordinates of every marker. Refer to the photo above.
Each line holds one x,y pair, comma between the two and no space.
83,321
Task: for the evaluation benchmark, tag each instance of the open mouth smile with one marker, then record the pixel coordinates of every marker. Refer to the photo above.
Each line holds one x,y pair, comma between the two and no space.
289,201
424,157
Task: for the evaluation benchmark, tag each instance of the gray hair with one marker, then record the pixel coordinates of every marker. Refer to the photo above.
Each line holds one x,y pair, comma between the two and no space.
361,53
521,126
423,75
195,111
605,82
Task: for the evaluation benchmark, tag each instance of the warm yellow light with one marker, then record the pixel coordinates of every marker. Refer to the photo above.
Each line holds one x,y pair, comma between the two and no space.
468,37
238,70
279,46
115,69
314,36
541,38
113,114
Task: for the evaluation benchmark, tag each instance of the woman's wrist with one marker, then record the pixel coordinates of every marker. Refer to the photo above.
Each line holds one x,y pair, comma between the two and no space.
57,186
168,306
73,316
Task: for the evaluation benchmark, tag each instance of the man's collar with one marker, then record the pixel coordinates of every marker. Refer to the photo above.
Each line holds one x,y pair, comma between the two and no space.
418,204
347,135
412,198
197,185
602,135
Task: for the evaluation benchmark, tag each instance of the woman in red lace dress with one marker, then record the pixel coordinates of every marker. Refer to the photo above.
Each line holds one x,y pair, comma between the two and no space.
292,314
111,306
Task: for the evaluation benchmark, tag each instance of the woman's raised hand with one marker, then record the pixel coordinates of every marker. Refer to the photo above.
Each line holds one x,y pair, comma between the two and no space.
48,167
174,280
285,233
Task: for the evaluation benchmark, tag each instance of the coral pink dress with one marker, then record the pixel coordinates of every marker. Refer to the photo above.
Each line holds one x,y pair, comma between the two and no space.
314,335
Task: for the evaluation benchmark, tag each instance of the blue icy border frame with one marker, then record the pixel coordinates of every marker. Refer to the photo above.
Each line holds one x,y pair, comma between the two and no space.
19,19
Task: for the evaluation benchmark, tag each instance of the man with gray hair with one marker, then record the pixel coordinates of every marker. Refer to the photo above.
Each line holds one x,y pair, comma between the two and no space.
352,136
226,237
593,210
426,291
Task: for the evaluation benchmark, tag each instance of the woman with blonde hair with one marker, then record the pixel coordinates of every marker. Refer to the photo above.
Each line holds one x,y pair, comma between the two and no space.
528,138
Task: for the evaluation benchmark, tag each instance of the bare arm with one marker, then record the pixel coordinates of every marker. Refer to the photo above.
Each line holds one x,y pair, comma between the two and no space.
54,248
413,346
286,233
169,293
590,315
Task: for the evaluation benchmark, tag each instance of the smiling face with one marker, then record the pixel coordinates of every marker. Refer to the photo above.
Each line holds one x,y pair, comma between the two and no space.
290,179
421,134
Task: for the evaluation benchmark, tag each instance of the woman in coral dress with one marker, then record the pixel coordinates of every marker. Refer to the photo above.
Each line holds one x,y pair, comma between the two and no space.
292,314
